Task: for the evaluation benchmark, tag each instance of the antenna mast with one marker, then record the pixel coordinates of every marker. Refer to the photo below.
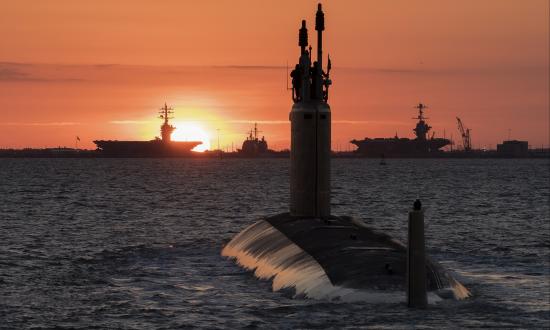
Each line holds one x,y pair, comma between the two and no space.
166,113
166,129
319,27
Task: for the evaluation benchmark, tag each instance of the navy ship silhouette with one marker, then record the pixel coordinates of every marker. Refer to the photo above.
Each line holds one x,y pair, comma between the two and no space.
159,147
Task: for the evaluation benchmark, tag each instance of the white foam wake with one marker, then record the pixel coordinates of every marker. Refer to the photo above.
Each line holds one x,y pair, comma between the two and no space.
271,255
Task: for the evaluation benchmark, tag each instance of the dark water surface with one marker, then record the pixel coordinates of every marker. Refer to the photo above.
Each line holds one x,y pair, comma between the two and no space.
135,244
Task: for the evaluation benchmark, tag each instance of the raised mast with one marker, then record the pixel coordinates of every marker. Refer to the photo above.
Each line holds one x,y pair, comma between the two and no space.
421,130
421,108
319,27
166,129
309,81
302,38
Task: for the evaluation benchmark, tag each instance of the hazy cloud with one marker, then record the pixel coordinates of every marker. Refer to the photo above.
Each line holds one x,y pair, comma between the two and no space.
251,67
370,122
263,122
128,122
26,72
39,73
11,74
62,123
349,122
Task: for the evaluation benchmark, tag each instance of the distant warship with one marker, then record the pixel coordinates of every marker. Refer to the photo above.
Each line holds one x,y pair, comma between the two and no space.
253,146
159,147
404,147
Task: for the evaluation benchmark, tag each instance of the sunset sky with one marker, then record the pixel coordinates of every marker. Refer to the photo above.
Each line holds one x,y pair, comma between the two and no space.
101,69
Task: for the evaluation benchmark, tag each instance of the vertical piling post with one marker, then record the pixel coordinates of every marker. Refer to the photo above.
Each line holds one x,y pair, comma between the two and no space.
416,259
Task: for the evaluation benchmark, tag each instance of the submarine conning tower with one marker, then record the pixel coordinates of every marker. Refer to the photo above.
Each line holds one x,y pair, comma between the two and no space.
310,129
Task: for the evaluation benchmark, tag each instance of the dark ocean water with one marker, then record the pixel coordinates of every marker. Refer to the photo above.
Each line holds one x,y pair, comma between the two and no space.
135,244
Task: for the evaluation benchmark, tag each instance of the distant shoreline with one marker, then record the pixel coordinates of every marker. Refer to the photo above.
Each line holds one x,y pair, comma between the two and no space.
87,153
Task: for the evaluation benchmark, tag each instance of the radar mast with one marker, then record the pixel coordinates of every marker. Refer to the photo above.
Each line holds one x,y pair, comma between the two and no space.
421,129
166,129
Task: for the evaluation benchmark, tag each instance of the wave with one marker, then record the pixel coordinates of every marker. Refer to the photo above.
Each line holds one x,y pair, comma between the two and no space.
267,252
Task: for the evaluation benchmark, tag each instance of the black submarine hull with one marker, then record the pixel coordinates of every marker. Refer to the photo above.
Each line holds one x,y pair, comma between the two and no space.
335,259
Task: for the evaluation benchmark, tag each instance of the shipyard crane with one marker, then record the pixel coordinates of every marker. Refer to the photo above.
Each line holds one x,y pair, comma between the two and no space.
465,133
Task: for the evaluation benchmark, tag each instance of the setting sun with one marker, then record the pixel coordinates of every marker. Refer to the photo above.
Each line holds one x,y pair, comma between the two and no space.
192,131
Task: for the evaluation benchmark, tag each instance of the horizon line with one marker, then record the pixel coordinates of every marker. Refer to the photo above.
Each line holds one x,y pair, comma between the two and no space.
383,69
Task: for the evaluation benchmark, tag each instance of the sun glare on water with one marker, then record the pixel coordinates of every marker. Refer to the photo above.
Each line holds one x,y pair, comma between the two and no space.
192,131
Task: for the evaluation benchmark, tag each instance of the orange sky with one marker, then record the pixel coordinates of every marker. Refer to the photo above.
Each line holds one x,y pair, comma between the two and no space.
100,69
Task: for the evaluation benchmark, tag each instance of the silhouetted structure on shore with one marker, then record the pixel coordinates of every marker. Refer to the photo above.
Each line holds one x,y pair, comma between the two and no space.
513,148
59,152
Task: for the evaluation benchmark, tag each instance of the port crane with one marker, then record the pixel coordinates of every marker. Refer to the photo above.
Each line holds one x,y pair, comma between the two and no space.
465,133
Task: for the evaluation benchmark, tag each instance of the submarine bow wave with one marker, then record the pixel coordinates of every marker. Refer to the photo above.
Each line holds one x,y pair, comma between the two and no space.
267,252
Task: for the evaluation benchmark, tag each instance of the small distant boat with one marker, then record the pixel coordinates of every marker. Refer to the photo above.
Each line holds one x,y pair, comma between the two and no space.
383,160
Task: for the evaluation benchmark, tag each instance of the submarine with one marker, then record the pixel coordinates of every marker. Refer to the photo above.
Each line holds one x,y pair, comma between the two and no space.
312,252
